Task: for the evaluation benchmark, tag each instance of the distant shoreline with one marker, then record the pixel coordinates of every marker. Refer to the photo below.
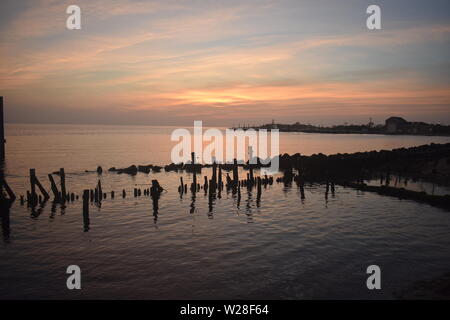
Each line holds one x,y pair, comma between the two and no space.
392,126
352,132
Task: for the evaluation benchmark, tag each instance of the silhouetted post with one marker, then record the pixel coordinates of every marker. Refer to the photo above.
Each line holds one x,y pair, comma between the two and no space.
4,184
54,188
220,177
238,197
100,191
194,178
214,175
181,185
156,188
62,176
2,177
259,186
302,191
33,196
124,194
205,185
86,209
41,188
2,131
235,172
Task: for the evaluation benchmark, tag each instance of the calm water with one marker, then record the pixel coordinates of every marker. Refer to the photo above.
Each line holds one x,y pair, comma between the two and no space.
276,247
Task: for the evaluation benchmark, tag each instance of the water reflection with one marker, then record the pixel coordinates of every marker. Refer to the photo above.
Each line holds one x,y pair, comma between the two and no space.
5,206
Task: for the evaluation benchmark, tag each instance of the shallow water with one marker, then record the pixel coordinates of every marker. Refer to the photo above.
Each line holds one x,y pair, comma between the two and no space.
278,246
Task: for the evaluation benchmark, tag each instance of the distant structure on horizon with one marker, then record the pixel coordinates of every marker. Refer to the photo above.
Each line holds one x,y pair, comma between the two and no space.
392,125
400,125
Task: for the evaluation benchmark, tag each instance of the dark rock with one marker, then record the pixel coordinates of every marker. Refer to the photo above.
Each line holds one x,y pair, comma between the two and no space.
130,170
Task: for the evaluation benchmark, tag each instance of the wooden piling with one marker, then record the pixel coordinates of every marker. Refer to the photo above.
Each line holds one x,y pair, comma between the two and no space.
194,177
205,186
54,188
181,185
235,172
100,191
62,176
220,183
86,209
41,188
2,131
33,196
4,184
214,175
259,185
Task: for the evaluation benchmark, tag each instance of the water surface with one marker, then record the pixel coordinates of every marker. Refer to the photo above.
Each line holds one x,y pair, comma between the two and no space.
276,246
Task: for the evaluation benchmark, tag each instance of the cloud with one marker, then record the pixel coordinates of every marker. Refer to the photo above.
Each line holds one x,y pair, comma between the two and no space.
216,60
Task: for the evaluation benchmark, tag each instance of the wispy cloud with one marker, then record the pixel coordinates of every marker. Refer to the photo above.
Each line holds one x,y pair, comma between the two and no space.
216,60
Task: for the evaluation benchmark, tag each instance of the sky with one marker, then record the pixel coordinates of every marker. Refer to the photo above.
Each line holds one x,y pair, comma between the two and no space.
224,62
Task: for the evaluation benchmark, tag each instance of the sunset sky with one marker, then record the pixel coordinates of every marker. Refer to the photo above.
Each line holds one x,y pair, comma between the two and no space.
173,62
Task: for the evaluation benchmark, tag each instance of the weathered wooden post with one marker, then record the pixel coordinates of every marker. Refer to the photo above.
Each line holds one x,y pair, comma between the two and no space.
62,176
181,188
41,188
4,184
259,185
235,172
54,188
302,189
214,175
194,178
2,131
33,196
220,177
86,209
100,192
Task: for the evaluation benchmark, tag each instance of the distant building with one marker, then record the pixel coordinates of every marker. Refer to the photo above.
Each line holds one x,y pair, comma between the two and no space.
396,124
400,125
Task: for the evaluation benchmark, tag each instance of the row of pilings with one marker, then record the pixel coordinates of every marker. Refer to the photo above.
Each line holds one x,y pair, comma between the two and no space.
350,170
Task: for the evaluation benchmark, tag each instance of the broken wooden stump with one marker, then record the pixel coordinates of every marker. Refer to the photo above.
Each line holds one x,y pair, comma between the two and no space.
86,210
62,176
